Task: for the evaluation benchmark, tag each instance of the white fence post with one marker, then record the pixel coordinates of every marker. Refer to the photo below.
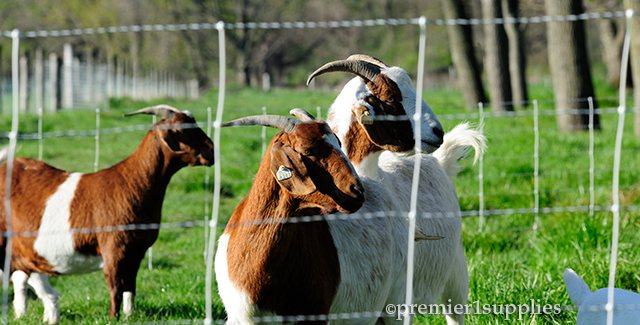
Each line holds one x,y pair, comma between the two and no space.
615,205
417,117
216,187
481,173
592,195
13,137
536,169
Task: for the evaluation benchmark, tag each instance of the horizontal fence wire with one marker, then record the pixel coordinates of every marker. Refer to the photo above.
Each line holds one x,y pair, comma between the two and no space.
316,218
371,118
337,217
312,24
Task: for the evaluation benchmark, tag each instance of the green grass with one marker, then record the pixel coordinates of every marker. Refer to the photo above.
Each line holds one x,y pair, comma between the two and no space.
506,265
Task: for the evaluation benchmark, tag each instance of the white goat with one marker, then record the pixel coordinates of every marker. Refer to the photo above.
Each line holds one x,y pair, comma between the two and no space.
386,93
54,203
591,305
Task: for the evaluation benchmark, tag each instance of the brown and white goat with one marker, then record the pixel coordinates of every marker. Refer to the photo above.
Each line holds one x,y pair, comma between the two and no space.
266,266
72,212
373,118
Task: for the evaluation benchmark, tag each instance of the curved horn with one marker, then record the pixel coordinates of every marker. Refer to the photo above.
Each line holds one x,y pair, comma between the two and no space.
366,70
282,123
302,115
163,111
367,58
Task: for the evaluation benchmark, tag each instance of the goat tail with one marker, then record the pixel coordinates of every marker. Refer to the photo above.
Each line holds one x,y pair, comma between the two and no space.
577,289
4,153
457,145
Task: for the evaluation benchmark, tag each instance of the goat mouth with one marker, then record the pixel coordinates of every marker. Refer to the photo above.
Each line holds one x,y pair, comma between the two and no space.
429,147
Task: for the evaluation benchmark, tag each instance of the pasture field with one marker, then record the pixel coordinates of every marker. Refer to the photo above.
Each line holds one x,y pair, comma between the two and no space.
506,264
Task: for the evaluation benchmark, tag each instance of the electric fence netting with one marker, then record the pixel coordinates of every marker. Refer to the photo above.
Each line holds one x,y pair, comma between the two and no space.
473,204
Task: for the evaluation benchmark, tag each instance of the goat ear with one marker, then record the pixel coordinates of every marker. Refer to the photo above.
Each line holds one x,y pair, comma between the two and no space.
396,136
289,170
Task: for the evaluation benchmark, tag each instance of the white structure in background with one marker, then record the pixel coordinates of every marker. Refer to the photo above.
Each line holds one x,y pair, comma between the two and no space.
77,82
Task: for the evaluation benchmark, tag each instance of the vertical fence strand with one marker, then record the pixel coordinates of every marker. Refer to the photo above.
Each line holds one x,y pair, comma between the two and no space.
417,117
264,133
40,142
13,137
481,172
96,160
592,195
615,206
536,169
207,177
216,186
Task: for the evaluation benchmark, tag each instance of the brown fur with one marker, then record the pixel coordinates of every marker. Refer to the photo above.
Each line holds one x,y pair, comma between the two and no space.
287,268
365,139
131,192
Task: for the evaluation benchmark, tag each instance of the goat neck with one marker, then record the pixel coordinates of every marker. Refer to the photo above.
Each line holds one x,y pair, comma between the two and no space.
273,259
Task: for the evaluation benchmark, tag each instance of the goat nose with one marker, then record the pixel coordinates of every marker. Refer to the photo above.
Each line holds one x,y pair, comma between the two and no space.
438,131
358,191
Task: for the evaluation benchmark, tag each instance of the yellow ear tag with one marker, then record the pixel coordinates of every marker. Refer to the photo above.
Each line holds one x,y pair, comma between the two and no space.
366,118
283,173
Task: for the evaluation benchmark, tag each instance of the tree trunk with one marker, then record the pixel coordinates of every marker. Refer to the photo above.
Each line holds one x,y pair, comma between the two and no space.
517,61
497,58
461,43
634,59
612,36
569,65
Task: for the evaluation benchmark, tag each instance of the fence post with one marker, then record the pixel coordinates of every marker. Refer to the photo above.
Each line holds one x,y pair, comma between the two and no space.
67,76
39,79
615,206
592,195
264,133
536,169
13,137
481,173
24,83
53,82
417,117
216,187
207,177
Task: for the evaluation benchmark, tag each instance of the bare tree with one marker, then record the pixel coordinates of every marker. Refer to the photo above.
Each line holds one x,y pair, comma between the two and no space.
569,65
461,43
611,36
497,58
517,61
634,57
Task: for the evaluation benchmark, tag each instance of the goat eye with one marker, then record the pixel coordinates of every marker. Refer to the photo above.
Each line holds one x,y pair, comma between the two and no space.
390,100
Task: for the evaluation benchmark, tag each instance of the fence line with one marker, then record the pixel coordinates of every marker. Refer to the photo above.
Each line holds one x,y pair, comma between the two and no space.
313,24
615,207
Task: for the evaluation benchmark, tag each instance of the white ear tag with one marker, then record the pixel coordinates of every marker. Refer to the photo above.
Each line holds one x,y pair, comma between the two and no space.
283,173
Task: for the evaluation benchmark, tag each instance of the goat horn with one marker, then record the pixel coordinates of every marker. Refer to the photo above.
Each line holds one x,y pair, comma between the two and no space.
367,58
302,115
163,111
282,123
366,70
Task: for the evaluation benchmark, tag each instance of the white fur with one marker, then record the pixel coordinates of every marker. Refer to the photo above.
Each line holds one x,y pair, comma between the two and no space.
127,303
429,121
4,153
55,241
441,267
353,94
456,146
19,279
240,309
45,292
591,304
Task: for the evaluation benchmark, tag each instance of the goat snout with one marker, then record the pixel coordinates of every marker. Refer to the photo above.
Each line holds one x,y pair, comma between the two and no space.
206,157
357,191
